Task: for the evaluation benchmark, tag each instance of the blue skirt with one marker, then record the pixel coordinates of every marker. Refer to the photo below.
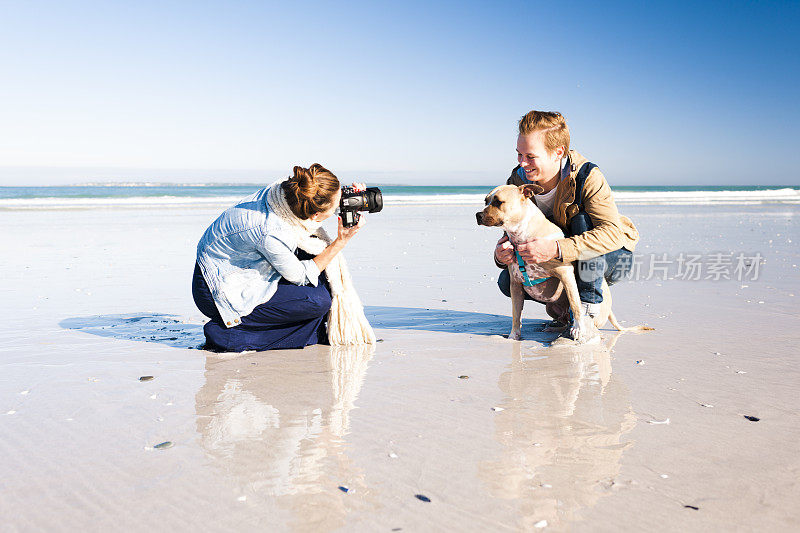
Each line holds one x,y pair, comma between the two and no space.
294,317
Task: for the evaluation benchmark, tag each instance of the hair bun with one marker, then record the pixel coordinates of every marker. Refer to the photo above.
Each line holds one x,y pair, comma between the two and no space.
310,190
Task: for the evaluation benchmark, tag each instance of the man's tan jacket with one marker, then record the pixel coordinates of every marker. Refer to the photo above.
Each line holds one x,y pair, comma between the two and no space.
611,230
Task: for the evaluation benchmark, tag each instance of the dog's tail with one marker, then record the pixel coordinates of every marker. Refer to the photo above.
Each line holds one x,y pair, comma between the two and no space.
616,324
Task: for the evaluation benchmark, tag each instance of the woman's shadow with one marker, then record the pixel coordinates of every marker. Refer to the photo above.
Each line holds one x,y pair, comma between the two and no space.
160,328
179,332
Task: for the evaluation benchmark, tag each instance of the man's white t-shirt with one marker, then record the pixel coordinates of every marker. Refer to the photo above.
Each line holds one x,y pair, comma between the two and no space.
545,202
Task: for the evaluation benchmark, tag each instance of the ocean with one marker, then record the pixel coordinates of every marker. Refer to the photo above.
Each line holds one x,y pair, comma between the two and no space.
154,195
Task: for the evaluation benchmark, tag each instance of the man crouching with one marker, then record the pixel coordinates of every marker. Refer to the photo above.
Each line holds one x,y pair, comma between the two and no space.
577,198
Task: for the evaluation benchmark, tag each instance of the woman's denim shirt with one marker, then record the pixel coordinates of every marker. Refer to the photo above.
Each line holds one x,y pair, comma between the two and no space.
245,252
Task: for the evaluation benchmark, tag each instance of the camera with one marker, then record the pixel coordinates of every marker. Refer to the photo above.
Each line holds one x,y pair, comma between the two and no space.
353,201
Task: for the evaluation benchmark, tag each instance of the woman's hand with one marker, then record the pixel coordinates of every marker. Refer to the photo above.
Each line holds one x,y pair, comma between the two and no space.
345,234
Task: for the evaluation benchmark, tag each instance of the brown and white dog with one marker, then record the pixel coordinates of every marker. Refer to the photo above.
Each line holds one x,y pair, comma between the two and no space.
512,208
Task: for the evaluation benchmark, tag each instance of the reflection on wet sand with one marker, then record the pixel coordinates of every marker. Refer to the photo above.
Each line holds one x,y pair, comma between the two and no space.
275,425
562,431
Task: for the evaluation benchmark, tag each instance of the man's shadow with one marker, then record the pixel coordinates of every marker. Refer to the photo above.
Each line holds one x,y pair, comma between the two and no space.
448,321
176,332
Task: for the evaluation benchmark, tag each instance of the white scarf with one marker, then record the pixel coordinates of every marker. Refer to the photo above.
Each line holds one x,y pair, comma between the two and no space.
347,323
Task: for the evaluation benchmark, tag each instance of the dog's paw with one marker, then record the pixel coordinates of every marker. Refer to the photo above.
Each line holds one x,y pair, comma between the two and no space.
515,336
583,331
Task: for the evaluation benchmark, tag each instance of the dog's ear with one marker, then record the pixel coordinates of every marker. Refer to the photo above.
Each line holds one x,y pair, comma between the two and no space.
529,189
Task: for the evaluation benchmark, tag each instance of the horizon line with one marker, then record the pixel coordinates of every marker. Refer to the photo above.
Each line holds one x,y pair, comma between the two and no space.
261,184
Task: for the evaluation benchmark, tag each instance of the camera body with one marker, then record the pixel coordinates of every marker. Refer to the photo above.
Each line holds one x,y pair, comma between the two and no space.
353,201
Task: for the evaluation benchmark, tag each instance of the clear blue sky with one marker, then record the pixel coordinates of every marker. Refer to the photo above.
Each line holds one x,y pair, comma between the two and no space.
402,92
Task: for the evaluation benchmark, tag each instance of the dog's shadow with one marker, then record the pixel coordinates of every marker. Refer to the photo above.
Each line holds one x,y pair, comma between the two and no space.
160,328
176,332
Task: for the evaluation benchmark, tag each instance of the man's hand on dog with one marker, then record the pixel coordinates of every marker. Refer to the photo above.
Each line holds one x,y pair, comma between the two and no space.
538,250
535,251
504,252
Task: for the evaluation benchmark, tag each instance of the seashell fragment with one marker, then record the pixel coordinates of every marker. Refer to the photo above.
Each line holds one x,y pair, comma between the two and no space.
422,498
163,446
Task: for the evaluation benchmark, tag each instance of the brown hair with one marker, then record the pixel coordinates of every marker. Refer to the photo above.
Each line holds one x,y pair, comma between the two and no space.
310,190
552,123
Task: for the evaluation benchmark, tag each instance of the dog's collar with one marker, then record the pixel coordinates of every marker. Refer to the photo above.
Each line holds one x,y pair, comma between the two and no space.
528,282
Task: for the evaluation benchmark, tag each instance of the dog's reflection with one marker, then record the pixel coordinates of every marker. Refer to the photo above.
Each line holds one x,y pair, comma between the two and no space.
562,431
275,424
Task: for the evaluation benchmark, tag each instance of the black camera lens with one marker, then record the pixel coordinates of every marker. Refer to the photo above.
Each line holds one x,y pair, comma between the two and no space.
374,199
370,200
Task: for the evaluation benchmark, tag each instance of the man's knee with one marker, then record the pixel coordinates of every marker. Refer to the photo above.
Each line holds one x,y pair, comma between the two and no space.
591,270
504,283
589,278
622,268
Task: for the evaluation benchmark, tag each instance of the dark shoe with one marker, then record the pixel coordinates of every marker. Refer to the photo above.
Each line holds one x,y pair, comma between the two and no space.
555,326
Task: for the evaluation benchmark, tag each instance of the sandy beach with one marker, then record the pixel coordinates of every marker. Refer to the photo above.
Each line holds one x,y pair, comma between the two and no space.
444,425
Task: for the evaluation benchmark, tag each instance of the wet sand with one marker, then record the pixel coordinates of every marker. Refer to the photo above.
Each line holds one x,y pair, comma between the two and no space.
331,439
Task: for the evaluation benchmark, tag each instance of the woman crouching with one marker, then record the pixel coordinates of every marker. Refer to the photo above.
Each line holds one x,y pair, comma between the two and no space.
266,270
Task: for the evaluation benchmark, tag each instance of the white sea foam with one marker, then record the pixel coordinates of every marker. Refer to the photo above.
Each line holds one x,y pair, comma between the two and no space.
724,197
433,199
771,196
133,202
141,184
779,196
